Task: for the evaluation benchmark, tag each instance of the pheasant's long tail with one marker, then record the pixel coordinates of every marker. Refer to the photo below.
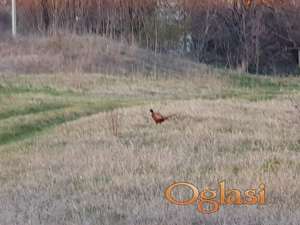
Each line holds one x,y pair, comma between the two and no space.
170,116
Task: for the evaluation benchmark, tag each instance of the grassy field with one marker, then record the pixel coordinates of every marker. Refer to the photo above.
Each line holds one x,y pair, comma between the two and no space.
82,149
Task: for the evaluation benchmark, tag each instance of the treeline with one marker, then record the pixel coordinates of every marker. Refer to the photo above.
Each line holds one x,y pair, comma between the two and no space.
113,18
259,36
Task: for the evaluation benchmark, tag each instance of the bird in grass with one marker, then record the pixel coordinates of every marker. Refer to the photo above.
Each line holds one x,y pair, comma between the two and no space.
158,118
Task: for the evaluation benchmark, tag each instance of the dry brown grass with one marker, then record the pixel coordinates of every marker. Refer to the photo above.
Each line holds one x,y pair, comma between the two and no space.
114,121
113,167
81,174
66,52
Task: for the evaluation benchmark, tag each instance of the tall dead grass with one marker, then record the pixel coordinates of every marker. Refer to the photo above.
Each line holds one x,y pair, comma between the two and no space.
81,174
90,54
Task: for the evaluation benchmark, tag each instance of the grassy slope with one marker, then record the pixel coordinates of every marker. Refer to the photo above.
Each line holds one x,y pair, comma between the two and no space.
27,110
29,106
239,128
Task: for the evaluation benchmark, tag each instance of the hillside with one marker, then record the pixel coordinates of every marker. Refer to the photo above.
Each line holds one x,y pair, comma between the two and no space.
78,145
89,53
78,148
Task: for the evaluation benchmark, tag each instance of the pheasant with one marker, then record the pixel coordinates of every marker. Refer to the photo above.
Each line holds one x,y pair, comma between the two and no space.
158,118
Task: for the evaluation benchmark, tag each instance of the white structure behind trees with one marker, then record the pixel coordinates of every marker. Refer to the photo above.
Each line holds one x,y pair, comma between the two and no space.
14,18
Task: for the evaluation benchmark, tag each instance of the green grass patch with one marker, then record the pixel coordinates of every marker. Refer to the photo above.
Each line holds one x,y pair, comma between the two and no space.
31,109
294,146
22,127
267,83
259,88
26,126
271,165
27,111
8,89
